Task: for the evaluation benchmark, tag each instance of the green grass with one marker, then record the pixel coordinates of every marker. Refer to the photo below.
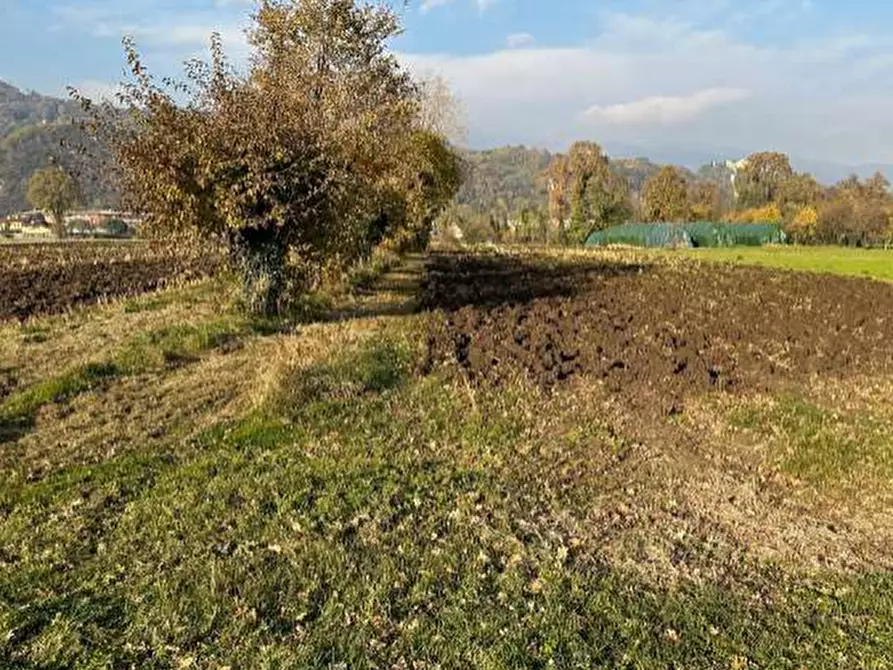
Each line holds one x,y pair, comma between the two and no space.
370,516
35,333
384,520
145,352
136,306
194,294
22,406
829,450
383,364
176,344
871,263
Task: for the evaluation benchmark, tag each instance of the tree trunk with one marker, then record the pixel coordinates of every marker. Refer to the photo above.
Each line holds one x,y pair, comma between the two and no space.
258,256
59,225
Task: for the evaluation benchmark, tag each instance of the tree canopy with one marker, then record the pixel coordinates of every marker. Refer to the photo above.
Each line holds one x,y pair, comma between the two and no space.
665,197
319,151
55,191
762,178
586,194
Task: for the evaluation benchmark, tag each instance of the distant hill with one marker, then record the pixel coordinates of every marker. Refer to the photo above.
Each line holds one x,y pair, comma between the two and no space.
638,170
507,177
21,110
829,173
36,131
511,177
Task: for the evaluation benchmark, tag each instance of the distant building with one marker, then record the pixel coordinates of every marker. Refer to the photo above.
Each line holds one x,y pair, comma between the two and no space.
36,231
734,167
729,171
100,218
34,218
26,223
87,223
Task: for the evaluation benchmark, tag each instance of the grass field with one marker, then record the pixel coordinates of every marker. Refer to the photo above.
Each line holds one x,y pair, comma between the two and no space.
845,261
184,487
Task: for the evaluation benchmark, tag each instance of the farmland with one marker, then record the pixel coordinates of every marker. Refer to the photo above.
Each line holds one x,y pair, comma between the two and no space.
490,459
48,278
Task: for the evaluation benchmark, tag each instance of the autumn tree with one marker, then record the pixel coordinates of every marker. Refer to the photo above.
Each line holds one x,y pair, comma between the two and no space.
558,177
798,191
761,180
803,226
425,184
706,201
585,194
665,197
798,200
533,225
877,187
599,197
855,212
54,191
441,111
319,151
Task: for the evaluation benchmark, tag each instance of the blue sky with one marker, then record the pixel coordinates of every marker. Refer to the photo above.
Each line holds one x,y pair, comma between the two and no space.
675,79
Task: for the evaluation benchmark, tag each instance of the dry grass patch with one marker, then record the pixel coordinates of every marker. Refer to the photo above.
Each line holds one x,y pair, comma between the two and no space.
793,480
38,348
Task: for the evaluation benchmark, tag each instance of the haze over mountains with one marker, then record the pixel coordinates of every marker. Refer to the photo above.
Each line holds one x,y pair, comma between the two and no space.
33,127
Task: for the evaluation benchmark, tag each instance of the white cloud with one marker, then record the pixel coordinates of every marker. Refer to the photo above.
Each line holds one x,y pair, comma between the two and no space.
519,40
188,35
178,35
428,5
689,65
721,94
164,29
665,110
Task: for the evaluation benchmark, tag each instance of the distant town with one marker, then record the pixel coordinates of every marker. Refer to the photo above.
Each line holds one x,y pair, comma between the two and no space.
36,225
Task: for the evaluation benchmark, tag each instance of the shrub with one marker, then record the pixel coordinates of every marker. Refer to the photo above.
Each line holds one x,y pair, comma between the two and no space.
767,214
325,156
852,222
803,227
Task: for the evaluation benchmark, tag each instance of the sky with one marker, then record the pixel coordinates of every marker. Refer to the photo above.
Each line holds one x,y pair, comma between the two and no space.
677,80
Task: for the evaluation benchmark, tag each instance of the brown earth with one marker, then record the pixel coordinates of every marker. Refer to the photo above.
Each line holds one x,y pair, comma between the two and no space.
655,352
52,278
654,334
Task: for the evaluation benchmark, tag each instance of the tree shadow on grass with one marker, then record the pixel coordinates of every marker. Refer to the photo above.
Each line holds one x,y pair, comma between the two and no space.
13,430
452,280
393,293
18,412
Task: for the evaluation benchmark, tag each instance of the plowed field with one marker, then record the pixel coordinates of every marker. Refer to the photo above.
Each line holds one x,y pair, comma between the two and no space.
653,334
51,278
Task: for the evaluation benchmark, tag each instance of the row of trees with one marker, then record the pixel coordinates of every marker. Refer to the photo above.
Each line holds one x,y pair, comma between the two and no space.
852,212
764,189
585,191
325,148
